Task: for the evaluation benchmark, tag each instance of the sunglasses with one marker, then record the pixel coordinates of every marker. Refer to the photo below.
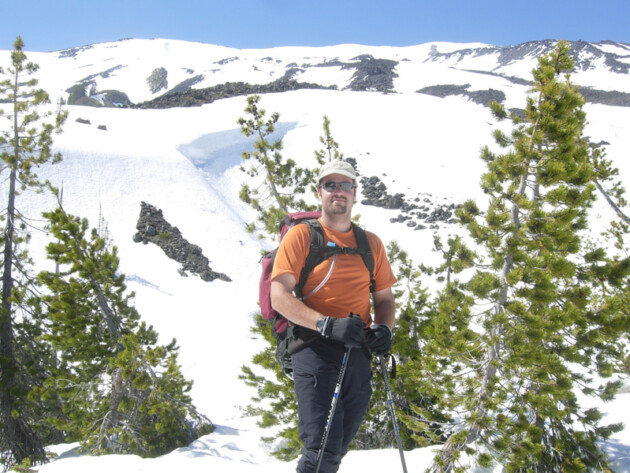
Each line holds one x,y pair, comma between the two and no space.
332,186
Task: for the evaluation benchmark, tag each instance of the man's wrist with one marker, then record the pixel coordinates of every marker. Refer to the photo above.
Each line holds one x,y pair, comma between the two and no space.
323,325
383,325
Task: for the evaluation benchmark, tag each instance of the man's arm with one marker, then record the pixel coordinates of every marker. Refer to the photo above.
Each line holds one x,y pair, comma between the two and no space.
284,301
384,307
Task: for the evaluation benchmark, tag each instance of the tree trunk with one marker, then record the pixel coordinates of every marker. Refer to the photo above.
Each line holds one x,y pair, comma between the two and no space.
17,439
112,416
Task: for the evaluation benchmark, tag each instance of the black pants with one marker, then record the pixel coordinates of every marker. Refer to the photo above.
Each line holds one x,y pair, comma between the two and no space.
315,373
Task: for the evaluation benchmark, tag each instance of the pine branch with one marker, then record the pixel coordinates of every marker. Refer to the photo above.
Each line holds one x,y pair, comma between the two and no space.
614,206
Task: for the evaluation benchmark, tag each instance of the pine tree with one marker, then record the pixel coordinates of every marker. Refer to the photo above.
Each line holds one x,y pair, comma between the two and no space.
279,187
328,153
25,146
275,402
331,147
120,391
277,183
539,312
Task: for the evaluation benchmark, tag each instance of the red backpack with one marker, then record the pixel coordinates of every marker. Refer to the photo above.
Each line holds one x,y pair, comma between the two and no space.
318,253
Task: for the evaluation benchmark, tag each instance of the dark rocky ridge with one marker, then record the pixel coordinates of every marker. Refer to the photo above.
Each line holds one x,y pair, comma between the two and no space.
153,228
372,74
482,97
416,212
198,97
419,212
584,54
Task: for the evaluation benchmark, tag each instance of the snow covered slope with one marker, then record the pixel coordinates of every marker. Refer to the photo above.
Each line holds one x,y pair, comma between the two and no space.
185,161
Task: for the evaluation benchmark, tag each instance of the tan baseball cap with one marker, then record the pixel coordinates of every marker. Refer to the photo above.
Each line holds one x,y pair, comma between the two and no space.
337,167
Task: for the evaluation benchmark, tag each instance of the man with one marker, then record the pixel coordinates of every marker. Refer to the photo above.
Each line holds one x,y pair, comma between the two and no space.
323,320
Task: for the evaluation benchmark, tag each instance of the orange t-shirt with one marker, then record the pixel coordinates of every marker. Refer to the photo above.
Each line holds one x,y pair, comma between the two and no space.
348,288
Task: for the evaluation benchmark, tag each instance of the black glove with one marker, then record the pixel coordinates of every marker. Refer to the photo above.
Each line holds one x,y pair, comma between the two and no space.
379,339
348,330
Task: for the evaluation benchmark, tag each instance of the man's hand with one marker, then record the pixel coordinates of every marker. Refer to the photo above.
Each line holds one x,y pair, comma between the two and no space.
348,330
379,339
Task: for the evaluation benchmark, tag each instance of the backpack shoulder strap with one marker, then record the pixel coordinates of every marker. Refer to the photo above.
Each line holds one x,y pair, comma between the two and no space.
318,253
314,256
366,253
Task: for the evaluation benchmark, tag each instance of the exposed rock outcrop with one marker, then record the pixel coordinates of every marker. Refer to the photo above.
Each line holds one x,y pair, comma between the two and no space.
482,97
372,74
419,212
153,228
85,93
198,97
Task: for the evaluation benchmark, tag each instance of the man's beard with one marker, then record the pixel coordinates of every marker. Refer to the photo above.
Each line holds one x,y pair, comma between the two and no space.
338,207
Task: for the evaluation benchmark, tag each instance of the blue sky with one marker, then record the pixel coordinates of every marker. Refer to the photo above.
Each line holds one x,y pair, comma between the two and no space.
47,25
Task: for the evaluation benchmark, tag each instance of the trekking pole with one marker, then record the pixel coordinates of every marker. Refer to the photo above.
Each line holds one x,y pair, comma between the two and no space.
333,405
390,400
